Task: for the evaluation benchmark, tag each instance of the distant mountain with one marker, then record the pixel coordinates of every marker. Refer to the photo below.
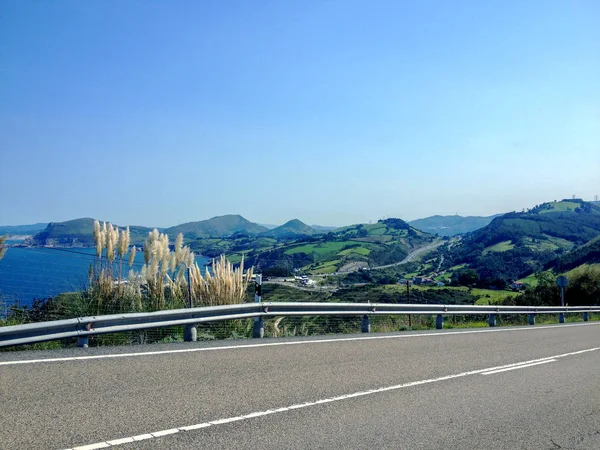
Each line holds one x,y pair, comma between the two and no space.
322,228
21,229
292,229
451,225
77,233
221,226
517,244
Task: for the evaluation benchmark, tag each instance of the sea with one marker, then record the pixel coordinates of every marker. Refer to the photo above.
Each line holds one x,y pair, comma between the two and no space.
28,273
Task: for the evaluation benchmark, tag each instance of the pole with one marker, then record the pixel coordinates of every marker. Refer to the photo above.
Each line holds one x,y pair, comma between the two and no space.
408,297
190,332
258,330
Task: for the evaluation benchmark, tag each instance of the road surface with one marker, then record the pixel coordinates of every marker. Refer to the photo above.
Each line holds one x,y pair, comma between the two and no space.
504,388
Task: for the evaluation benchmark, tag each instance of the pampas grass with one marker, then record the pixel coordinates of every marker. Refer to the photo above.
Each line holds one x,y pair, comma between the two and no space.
161,283
224,286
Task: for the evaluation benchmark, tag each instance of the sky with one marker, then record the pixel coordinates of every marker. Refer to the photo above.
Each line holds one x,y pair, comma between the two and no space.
333,112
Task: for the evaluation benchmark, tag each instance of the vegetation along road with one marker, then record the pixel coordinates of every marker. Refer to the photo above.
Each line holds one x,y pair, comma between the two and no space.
506,388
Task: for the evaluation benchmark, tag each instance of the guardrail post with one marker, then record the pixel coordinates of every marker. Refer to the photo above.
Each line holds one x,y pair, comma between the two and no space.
258,327
190,333
586,317
492,320
83,342
365,324
439,322
561,318
531,319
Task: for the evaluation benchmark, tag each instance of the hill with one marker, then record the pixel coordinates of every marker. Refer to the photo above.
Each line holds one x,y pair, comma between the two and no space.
515,245
451,225
77,233
588,253
217,227
22,229
346,249
293,228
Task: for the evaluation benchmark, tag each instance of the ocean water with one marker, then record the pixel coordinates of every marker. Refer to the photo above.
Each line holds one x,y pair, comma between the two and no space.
34,273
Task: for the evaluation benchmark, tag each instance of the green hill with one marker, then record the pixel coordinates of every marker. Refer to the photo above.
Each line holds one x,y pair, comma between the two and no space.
217,227
78,233
385,242
292,229
588,253
451,225
515,245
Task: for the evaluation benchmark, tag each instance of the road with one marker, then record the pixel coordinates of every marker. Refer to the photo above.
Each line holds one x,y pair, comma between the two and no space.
503,388
412,255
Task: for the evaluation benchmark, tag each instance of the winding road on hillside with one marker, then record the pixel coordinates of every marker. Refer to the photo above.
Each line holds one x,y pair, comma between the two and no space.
506,388
412,255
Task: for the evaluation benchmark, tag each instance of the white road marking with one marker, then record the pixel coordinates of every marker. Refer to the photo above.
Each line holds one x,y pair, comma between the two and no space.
521,366
278,344
488,371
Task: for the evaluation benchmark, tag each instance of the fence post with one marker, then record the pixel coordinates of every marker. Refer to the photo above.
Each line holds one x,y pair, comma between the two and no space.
258,328
365,324
492,320
531,319
586,317
439,322
190,332
561,318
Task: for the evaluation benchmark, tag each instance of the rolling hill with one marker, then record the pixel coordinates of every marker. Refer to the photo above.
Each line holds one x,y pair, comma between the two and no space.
451,225
517,244
217,227
77,233
292,229
385,242
588,253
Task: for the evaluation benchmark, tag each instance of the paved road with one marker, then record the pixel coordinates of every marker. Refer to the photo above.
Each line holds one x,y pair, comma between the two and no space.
437,389
412,255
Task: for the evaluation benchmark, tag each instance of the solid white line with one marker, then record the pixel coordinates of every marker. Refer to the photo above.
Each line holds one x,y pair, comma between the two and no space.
522,366
488,370
278,344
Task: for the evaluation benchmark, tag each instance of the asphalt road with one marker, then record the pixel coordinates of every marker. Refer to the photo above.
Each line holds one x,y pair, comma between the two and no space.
536,387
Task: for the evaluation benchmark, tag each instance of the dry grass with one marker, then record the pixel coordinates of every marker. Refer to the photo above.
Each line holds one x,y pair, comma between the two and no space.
224,286
162,281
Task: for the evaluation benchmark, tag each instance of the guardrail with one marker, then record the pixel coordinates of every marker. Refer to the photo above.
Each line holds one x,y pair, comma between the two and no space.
83,327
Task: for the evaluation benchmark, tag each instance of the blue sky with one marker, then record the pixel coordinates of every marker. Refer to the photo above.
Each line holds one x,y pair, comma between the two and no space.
334,112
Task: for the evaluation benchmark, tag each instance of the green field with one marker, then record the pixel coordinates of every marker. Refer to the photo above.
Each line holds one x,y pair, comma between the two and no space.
319,249
483,296
562,206
358,250
499,247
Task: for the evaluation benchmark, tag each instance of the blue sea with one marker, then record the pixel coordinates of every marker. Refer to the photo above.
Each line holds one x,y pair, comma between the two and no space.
34,273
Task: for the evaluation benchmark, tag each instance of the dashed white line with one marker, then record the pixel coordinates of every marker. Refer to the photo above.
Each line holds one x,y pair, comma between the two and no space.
521,366
198,426
278,344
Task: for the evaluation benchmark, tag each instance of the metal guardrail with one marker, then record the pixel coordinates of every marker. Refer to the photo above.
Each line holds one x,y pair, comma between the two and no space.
83,327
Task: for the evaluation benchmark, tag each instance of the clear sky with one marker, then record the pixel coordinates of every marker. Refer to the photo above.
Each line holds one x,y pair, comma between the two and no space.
334,112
